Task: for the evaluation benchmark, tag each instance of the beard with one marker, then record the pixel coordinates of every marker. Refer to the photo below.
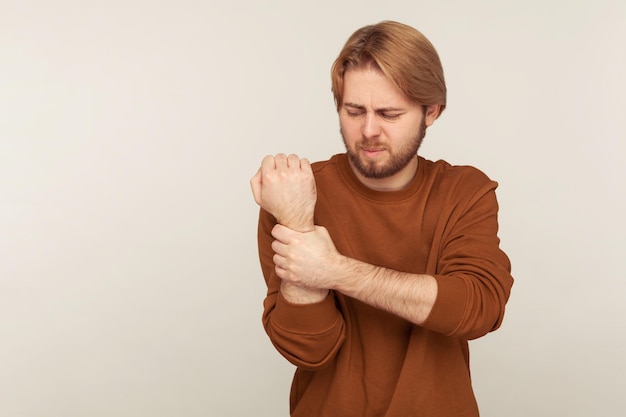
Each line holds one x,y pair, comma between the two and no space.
396,162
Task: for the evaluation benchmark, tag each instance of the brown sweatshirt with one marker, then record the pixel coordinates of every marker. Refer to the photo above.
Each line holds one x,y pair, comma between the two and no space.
355,360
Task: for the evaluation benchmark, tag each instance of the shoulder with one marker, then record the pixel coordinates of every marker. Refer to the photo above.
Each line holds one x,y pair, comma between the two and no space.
456,183
442,171
326,165
329,171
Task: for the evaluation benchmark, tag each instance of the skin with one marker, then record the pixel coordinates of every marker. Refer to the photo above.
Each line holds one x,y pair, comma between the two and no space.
382,130
285,187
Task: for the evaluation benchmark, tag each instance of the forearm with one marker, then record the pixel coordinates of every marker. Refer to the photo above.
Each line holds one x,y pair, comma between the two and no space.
410,296
301,295
310,260
306,333
294,293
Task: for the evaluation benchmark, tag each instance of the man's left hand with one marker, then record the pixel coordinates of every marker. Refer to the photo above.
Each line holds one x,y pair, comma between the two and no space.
307,259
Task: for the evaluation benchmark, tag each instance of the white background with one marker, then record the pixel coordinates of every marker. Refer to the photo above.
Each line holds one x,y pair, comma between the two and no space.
129,281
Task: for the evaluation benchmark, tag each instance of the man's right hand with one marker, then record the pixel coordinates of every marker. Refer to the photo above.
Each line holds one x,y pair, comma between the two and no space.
285,187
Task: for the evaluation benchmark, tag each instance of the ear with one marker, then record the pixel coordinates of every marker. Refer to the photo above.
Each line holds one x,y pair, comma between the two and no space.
432,112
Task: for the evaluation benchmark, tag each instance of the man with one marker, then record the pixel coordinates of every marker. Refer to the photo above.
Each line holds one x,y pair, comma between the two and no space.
380,265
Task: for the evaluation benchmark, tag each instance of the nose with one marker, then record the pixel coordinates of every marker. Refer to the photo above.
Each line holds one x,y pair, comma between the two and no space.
371,126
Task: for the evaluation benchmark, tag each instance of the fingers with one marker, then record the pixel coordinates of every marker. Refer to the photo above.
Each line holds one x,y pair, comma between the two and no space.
279,258
279,169
305,165
280,232
280,261
286,161
281,161
269,162
293,161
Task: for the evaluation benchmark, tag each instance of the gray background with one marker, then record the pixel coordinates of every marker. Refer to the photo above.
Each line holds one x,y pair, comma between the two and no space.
129,282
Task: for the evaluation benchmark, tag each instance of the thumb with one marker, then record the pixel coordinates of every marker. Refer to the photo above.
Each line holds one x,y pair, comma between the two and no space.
256,184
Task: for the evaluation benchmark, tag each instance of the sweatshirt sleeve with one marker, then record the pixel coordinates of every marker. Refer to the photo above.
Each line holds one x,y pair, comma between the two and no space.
307,335
473,274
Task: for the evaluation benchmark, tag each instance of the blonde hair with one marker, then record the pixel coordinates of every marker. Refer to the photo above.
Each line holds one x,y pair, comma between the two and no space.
401,53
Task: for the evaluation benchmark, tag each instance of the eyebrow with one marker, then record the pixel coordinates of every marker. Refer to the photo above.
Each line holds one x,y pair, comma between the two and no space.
382,109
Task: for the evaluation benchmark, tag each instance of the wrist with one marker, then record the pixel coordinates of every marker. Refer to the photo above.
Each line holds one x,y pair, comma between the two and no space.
299,225
301,295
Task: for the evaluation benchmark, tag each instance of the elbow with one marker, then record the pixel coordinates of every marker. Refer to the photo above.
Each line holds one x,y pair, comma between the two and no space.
483,314
468,306
314,358
308,351
482,325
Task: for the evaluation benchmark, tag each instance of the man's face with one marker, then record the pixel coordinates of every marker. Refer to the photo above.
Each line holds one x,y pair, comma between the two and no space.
381,128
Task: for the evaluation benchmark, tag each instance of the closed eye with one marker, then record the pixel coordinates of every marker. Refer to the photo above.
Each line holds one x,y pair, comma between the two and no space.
390,116
354,112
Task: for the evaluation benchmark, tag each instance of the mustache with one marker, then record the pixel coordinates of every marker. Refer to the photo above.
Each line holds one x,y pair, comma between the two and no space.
370,143
365,142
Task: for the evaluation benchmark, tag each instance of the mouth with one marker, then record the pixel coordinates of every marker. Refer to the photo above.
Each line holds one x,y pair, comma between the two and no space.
372,152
